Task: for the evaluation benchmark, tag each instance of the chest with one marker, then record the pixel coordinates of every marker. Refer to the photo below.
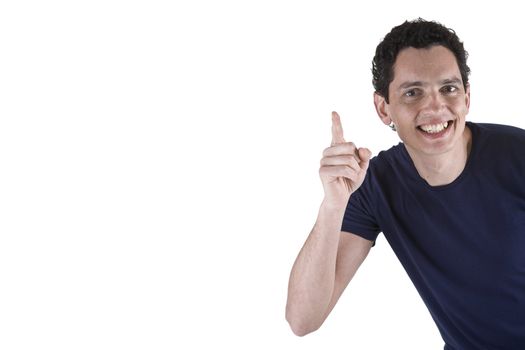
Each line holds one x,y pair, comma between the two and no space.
477,227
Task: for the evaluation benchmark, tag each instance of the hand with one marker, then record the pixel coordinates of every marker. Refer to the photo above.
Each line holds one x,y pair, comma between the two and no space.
343,166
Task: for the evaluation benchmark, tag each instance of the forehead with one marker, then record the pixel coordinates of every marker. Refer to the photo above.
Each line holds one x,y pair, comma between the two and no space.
429,64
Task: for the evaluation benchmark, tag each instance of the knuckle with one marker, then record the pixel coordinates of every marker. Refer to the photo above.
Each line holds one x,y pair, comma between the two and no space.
347,160
350,159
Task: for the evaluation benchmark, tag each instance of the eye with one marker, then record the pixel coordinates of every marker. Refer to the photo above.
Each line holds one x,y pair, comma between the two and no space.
411,93
449,89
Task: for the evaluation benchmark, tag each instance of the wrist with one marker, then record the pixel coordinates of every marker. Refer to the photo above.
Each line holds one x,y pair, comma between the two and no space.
334,204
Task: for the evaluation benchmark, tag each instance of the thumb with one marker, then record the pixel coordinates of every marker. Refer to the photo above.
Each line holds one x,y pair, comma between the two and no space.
364,154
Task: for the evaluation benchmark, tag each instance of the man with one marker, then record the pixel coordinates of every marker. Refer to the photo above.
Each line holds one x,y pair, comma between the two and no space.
450,200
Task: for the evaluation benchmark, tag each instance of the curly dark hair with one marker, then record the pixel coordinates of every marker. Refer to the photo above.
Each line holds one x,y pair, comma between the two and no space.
418,34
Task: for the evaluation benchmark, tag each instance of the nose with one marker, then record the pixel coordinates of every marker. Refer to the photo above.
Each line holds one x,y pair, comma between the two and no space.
434,102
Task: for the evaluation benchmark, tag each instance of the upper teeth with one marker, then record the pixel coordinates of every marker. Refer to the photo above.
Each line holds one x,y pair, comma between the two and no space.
434,127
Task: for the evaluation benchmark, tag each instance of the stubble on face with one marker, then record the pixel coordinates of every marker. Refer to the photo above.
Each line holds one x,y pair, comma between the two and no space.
428,102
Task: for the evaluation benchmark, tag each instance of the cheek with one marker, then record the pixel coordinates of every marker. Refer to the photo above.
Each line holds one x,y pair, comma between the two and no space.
409,108
461,109
405,113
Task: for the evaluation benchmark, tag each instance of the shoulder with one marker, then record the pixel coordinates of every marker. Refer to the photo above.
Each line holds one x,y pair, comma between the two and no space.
503,145
390,168
493,132
387,160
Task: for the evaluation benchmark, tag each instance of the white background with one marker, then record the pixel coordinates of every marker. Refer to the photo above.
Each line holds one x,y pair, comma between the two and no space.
159,166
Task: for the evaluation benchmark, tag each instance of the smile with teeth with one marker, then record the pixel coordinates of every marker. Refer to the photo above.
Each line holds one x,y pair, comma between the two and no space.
434,128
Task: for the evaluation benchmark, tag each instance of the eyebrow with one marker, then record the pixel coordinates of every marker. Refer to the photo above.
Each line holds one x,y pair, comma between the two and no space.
407,84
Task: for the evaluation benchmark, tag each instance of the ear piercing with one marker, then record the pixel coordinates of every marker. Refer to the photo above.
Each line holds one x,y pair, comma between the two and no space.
392,126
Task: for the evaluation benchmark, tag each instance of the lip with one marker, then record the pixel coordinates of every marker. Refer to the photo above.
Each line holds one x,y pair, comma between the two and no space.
434,122
437,135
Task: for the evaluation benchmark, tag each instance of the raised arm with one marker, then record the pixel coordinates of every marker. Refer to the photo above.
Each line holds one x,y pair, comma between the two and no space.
329,258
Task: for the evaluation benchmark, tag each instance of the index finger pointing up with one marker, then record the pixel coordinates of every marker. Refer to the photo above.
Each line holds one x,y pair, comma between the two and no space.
337,129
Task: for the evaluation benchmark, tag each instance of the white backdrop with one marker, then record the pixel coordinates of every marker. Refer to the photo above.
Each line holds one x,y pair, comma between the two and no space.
159,166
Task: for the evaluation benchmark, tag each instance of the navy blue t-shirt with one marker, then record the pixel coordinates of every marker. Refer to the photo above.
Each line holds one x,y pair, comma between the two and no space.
462,244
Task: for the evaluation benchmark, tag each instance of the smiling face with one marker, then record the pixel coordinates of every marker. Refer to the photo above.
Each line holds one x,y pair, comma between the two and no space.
427,101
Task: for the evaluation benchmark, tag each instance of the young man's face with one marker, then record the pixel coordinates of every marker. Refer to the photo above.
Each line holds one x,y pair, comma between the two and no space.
428,102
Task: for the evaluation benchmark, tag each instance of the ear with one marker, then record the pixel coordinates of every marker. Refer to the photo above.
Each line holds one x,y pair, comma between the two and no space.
382,109
467,97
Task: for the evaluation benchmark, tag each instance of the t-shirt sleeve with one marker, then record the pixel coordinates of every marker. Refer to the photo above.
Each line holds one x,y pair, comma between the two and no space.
358,218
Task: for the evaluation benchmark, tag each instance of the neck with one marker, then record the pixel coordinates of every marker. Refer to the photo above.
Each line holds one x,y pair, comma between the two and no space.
442,169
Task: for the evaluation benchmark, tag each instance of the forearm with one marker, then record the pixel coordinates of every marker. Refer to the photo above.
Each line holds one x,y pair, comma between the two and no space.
312,278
